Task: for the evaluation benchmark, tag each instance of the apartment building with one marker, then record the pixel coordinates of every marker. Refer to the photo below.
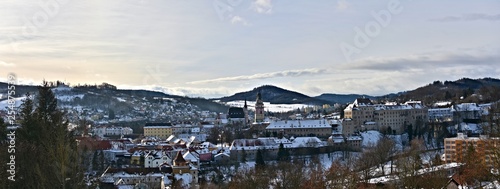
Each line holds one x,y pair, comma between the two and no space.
299,128
394,117
440,114
112,131
160,130
455,149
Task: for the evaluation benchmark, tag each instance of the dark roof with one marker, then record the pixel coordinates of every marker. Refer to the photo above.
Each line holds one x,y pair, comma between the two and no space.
179,158
134,170
236,113
364,101
158,124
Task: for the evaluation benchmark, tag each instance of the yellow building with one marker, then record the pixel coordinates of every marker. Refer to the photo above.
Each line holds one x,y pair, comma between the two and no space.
160,130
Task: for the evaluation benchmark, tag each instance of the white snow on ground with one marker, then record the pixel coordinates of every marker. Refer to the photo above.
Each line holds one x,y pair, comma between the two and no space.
68,98
4,103
186,179
419,172
472,127
120,99
493,185
398,140
61,88
370,138
268,106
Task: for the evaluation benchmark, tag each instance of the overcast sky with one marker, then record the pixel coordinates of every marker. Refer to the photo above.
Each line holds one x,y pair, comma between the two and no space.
218,47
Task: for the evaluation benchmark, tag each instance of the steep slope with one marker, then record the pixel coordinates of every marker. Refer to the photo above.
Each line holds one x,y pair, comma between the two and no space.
461,90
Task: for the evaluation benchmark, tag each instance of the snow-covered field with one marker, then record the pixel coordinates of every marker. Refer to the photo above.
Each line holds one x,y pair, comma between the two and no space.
268,106
4,103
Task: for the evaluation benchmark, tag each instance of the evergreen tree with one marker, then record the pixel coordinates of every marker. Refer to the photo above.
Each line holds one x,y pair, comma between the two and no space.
95,164
111,114
3,130
243,156
142,159
283,154
4,158
46,154
101,161
259,160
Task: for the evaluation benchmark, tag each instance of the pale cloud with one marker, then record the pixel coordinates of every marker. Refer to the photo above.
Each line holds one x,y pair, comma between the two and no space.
286,73
342,5
6,64
208,92
468,17
238,20
426,61
262,6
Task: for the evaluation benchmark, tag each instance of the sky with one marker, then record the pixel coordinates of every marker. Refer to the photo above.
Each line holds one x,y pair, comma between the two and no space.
214,48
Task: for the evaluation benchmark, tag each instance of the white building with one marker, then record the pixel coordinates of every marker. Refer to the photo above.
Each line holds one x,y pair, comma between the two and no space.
102,131
154,159
440,114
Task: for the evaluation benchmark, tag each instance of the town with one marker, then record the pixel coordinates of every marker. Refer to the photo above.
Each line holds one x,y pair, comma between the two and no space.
255,94
181,146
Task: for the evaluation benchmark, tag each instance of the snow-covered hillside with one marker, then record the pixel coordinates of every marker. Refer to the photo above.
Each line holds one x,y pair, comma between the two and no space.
268,106
5,103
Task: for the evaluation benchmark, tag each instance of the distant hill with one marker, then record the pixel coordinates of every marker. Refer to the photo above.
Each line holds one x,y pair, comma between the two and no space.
95,96
20,89
341,98
462,90
275,95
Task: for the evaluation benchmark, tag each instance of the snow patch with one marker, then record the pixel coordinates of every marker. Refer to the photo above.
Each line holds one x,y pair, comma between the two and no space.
5,103
268,106
370,138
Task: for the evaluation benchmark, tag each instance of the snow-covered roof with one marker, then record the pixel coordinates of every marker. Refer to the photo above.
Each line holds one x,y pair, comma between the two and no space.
289,124
157,127
336,139
354,137
466,107
472,127
398,107
438,104
191,156
252,144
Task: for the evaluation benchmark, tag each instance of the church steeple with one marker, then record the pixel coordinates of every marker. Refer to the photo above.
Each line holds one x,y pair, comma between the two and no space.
259,108
259,96
245,110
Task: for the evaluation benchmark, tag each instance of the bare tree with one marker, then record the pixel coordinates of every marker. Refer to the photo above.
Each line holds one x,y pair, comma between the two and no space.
383,152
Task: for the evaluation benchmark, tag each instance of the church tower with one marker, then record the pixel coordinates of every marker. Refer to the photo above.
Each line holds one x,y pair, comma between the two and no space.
259,109
245,110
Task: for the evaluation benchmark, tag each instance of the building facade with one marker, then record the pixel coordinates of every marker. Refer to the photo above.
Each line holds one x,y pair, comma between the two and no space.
259,109
393,118
455,149
160,130
112,131
300,128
